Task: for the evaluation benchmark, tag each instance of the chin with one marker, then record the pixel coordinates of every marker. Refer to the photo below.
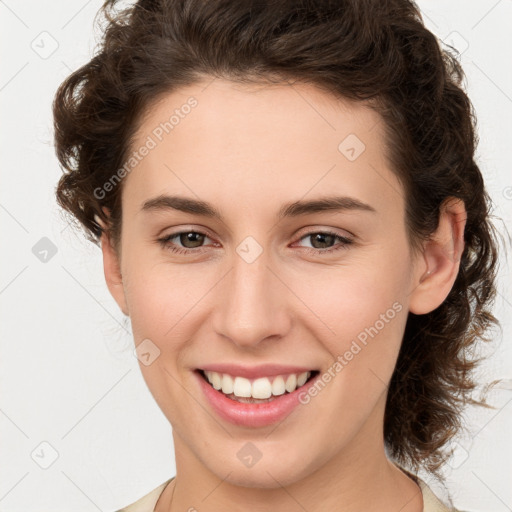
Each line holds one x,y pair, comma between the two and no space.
271,471
262,478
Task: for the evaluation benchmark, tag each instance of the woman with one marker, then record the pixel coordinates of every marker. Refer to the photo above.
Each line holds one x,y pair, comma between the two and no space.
291,216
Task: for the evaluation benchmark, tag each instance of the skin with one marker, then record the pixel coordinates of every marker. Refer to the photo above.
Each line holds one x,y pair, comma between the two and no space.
248,150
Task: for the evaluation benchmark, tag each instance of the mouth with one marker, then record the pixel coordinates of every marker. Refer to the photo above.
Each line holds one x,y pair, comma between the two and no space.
256,391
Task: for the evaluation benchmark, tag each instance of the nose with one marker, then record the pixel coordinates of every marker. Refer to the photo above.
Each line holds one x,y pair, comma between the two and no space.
252,303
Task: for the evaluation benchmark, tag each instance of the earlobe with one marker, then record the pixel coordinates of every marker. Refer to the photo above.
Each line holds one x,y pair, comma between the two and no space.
112,269
441,259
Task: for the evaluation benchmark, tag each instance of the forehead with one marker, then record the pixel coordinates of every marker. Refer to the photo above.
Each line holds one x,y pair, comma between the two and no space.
221,140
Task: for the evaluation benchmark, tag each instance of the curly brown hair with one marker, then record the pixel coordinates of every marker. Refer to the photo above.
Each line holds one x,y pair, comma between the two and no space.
372,51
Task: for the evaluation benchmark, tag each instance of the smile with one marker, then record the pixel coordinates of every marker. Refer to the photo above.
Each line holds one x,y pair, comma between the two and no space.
246,390
254,402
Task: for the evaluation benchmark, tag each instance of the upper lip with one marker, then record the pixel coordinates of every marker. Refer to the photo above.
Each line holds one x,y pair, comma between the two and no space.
255,372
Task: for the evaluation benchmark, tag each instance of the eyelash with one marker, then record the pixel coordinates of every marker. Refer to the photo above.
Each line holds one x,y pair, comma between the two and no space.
166,244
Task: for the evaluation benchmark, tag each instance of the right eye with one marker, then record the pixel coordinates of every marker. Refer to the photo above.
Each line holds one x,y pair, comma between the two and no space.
195,238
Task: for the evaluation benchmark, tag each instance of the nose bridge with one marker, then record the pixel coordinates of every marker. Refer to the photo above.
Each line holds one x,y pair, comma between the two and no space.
251,308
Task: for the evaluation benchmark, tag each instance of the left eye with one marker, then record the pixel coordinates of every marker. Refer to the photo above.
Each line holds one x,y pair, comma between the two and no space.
192,241
323,238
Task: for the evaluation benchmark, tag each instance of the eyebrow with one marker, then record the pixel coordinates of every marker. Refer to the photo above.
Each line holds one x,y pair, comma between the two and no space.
294,209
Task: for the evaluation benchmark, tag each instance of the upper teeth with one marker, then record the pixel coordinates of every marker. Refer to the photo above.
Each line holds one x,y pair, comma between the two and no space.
263,387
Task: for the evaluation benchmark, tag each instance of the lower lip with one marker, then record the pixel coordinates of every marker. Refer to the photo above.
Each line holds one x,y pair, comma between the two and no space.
252,415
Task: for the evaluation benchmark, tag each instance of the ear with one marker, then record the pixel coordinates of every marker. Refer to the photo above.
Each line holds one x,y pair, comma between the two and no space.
112,267
441,259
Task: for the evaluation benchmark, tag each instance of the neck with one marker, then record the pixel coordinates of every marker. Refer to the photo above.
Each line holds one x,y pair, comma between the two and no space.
359,477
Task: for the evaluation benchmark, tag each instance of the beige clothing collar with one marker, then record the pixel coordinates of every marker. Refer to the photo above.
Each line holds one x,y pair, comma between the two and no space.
431,503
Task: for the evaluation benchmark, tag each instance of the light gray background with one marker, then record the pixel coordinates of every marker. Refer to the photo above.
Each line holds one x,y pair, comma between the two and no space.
69,379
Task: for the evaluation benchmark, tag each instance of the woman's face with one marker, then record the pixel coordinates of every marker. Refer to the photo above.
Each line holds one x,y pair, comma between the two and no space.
267,281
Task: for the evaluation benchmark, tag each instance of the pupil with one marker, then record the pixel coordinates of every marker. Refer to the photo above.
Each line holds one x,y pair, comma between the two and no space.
319,236
186,238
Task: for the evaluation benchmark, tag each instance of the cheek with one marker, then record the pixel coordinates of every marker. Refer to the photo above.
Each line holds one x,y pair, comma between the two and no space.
349,299
359,314
157,299
150,312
